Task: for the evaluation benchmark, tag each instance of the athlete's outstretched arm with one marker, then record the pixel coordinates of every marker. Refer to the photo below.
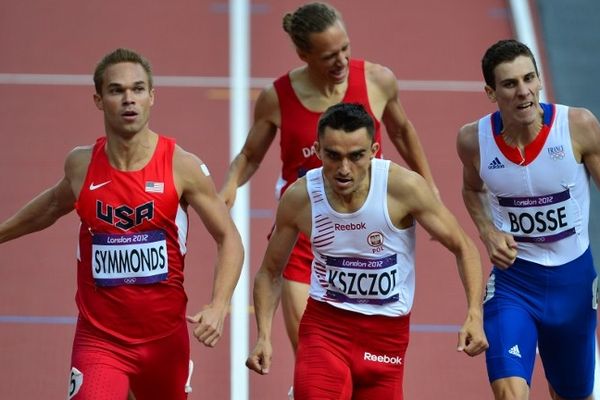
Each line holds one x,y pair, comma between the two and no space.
260,137
407,190
267,283
400,129
197,189
54,202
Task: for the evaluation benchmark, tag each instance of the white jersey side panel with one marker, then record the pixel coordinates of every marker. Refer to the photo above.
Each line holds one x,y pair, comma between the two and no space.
362,262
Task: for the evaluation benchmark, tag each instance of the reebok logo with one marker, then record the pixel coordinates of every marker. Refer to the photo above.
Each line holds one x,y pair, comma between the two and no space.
350,227
385,359
98,186
495,164
515,351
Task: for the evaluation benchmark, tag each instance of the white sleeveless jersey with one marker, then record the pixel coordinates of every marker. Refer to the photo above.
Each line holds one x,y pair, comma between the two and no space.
362,262
542,200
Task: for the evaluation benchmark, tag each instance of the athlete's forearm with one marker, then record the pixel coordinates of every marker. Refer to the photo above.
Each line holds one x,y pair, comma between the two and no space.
39,213
469,269
240,171
230,257
478,209
267,292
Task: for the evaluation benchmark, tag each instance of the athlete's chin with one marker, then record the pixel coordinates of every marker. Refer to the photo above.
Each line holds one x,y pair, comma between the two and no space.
339,77
129,130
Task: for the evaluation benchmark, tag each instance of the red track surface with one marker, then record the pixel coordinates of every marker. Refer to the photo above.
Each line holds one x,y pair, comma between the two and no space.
39,124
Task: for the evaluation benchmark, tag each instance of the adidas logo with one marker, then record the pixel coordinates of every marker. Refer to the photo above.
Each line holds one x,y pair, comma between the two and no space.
495,164
515,351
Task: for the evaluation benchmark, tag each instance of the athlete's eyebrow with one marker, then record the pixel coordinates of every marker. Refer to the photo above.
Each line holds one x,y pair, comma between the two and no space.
357,152
117,84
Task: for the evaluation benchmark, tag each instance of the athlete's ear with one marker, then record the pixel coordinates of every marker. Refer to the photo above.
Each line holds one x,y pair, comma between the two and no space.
491,93
302,55
152,96
374,149
98,101
316,147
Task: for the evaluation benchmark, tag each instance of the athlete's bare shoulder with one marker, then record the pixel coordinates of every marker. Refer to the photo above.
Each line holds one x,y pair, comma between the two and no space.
403,181
585,133
582,119
382,88
408,193
188,167
78,159
382,77
467,142
267,108
76,166
296,195
294,205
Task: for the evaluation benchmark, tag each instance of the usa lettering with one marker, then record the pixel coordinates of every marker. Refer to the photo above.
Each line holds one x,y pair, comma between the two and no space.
350,227
124,217
363,283
541,221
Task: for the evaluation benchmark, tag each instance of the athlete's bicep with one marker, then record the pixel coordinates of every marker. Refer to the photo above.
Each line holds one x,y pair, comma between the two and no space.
284,235
193,181
264,127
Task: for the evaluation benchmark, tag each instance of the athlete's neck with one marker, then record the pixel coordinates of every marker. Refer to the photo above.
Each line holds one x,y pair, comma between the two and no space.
314,85
131,153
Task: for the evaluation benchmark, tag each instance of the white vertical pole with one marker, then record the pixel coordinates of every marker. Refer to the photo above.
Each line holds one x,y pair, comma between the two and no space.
239,50
525,33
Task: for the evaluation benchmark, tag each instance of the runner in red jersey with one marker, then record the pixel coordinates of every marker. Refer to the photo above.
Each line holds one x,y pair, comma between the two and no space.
131,191
293,105
132,240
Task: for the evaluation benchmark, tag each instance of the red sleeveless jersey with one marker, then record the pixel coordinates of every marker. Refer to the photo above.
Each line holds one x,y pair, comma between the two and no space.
299,125
131,247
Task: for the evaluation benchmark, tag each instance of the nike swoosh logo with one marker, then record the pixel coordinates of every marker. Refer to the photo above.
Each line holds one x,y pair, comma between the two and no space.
94,187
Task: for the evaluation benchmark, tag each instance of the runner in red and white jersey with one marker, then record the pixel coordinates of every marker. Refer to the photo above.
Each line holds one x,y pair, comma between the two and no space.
293,104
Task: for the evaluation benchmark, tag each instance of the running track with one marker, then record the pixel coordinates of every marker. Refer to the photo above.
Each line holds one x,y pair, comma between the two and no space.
433,47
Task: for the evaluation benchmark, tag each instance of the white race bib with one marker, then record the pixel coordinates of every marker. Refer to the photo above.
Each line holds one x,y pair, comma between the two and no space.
363,280
539,219
129,259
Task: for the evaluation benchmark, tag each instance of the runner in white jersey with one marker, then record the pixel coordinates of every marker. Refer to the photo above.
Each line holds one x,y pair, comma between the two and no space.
526,174
360,215
362,262
543,200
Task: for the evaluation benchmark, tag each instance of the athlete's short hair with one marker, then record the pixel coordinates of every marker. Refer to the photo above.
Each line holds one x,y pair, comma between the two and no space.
500,52
347,117
120,55
307,19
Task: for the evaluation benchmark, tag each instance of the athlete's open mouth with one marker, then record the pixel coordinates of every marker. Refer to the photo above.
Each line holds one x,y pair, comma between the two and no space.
524,106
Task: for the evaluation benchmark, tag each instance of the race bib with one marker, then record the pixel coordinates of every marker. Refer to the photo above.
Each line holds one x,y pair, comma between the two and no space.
362,280
75,382
540,219
129,259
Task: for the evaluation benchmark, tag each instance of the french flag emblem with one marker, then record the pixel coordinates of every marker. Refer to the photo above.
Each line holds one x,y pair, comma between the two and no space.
154,187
